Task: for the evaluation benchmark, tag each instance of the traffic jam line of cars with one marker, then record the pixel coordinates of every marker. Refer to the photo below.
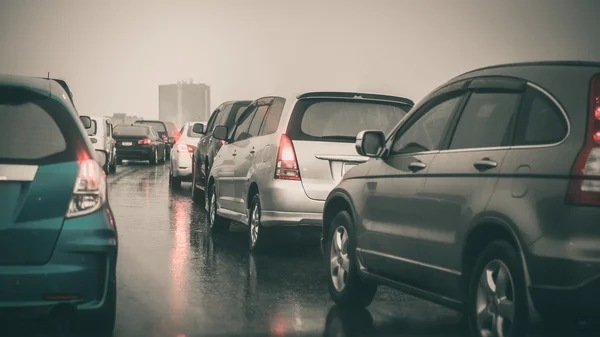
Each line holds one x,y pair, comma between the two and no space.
484,197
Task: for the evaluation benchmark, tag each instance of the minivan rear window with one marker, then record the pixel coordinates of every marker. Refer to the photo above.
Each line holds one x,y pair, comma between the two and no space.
158,126
93,129
134,131
342,120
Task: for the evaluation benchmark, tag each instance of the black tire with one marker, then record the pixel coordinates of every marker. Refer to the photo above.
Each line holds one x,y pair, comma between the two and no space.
153,157
164,156
348,322
119,161
261,241
112,168
198,196
174,182
355,291
101,324
216,223
499,253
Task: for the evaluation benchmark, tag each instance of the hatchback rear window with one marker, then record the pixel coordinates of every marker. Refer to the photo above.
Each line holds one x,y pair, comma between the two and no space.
31,131
342,120
158,126
135,131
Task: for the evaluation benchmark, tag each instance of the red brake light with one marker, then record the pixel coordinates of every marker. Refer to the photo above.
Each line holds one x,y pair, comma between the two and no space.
89,192
166,139
221,142
144,141
587,164
286,166
184,148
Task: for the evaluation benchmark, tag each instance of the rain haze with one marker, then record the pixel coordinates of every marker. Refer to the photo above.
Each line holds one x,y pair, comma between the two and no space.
115,53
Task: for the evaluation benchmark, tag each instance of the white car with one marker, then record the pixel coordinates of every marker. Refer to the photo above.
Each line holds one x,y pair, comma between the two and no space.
101,135
180,168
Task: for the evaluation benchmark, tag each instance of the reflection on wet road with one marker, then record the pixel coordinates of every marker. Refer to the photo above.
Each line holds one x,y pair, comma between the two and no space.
175,279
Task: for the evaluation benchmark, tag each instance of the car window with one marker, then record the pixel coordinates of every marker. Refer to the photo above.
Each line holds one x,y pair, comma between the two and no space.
239,110
222,118
257,121
273,117
241,132
135,131
341,120
426,133
540,121
485,120
32,132
211,120
158,126
107,128
93,129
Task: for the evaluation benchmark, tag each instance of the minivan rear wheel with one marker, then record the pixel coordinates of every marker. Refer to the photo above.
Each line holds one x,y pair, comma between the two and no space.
217,223
257,240
497,302
346,287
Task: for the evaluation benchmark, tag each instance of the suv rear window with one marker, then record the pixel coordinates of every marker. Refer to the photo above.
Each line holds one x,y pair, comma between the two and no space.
158,126
342,120
31,123
130,131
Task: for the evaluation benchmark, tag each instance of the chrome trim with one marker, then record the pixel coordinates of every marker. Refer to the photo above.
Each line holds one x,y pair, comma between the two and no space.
17,172
422,264
335,157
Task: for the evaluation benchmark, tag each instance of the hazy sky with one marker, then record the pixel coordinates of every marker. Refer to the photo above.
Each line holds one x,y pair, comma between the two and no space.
114,54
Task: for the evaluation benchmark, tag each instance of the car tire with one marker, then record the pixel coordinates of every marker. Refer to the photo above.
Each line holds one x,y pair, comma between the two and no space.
112,168
164,156
198,196
216,223
257,238
498,263
346,287
101,324
119,161
174,182
154,157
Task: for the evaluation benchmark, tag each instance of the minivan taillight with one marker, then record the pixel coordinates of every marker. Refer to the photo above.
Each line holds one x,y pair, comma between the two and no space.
587,164
286,166
89,192
144,141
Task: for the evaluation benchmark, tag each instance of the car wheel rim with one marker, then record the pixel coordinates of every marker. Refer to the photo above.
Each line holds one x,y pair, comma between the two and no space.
213,209
254,225
494,305
339,258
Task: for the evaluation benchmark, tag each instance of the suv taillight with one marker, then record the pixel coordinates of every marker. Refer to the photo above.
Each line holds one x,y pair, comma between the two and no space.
89,192
286,166
587,164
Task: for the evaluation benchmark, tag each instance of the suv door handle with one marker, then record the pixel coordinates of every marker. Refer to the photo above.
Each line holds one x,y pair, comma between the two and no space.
485,164
252,151
416,166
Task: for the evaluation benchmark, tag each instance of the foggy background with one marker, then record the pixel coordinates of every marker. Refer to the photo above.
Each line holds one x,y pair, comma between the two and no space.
114,54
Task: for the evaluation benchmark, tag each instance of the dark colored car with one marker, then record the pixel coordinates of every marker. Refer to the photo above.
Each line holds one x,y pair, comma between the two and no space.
58,238
166,130
485,199
139,142
227,115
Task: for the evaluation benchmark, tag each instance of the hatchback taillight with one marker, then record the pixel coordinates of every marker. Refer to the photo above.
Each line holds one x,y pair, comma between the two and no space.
89,192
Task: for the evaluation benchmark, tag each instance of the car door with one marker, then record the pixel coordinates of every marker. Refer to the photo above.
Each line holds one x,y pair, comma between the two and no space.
395,205
201,152
463,176
246,150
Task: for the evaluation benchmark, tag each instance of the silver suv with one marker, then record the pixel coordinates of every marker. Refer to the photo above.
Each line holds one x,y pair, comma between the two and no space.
284,156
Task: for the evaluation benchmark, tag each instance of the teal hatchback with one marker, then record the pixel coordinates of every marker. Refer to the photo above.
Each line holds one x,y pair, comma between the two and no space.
58,237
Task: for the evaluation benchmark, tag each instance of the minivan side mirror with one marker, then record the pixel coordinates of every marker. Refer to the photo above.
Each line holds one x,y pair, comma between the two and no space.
198,128
370,143
86,121
220,132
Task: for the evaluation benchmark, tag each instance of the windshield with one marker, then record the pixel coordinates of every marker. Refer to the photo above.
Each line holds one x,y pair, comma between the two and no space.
158,126
130,131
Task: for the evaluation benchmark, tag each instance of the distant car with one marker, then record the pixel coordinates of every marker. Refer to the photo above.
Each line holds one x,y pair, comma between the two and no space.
139,142
58,237
485,199
285,155
101,135
180,168
166,130
225,114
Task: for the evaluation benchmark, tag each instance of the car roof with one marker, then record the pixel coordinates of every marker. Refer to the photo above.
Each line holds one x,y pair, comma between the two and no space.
44,86
564,63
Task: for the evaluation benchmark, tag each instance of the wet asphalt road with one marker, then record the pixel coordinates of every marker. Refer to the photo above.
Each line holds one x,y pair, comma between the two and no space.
177,280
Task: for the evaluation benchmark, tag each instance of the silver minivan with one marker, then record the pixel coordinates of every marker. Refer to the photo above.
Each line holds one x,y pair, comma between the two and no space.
101,135
284,156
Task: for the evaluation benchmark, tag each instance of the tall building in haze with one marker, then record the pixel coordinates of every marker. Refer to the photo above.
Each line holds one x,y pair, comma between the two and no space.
184,102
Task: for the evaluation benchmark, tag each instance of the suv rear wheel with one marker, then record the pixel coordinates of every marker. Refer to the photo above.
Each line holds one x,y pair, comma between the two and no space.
497,303
217,223
346,288
198,196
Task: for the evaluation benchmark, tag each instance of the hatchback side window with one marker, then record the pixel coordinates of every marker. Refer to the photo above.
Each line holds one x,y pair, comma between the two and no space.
427,132
273,117
540,121
257,121
241,131
485,121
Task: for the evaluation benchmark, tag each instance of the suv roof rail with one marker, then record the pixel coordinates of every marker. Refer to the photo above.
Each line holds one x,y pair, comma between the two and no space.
356,95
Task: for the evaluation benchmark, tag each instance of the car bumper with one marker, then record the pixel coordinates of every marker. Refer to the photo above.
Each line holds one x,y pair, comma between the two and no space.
78,273
140,153
284,203
182,165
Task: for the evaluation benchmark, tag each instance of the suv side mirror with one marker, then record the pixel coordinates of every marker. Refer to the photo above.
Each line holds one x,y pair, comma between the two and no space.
198,128
370,143
86,121
220,132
